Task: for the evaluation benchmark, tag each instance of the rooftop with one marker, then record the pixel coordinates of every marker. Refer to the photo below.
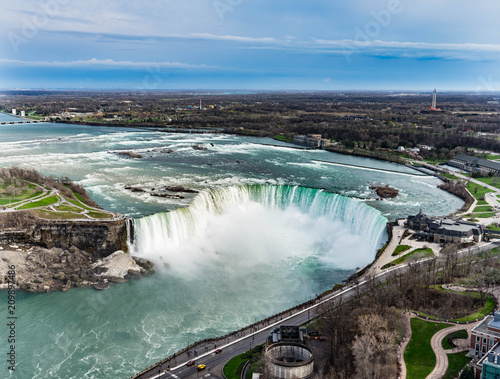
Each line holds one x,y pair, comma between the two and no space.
493,356
495,323
478,161
483,327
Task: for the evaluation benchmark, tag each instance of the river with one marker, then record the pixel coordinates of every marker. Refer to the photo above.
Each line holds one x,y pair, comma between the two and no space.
270,228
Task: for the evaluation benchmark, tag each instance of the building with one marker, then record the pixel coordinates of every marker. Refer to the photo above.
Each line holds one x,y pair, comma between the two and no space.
485,335
289,360
474,164
445,230
485,344
23,113
14,111
418,222
311,140
488,367
456,231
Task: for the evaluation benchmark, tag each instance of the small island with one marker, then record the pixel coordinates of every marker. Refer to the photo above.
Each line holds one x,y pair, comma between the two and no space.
385,192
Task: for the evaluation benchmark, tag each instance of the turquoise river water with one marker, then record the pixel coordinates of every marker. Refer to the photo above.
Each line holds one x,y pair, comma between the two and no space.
271,227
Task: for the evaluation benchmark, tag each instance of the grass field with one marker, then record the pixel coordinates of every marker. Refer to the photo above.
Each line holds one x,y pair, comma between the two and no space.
493,227
29,191
493,181
489,306
449,176
419,357
79,204
68,208
401,248
483,208
456,362
477,191
415,254
280,137
483,215
41,203
54,215
233,368
100,215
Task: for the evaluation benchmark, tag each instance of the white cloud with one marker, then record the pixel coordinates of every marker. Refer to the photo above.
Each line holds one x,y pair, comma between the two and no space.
228,37
104,63
412,49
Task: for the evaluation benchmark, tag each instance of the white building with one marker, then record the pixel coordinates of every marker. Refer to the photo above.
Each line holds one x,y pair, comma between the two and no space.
14,112
23,113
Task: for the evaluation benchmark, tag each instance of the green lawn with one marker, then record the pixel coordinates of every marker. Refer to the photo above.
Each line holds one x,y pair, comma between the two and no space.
80,197
482,202
233,368
456,362
415,254
489,306
8,201
480,192
68,208
482,215
400,248
41,203
100,215
493,227
55,215
30,192
419,357
493,181
79,204
449,176
456,334
483,208
279,137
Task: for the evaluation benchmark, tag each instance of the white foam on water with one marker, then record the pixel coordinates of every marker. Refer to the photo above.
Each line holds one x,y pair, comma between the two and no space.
249,226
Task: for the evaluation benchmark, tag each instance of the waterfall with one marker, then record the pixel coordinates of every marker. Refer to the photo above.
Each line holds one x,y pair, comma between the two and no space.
154,233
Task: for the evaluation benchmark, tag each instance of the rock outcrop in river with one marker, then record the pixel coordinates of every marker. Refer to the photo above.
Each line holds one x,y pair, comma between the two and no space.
385,192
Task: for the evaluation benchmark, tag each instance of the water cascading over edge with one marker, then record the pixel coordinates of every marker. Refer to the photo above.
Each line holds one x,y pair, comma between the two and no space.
153,232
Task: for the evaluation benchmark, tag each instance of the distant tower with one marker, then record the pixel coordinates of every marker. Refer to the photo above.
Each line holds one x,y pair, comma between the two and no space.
434,107
200,105
14,111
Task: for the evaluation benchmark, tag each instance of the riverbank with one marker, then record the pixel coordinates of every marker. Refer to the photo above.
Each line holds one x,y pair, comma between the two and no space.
43,270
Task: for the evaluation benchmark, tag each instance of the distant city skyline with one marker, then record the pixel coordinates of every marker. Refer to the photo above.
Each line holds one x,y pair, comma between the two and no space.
254,45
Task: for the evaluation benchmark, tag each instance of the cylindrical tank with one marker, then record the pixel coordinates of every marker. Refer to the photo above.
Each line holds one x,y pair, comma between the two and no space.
289,360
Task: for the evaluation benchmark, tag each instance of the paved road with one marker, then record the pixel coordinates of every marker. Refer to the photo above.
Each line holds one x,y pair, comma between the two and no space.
240,344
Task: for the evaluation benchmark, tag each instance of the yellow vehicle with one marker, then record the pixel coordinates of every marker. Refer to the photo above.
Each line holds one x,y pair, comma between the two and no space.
201,367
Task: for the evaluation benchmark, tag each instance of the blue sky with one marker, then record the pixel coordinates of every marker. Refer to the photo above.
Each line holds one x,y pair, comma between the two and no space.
251,44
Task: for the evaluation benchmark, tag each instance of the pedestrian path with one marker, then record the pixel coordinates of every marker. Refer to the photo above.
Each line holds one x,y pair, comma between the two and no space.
442,354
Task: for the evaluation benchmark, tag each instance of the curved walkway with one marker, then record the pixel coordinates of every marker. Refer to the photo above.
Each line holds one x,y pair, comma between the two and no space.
441,354
402,347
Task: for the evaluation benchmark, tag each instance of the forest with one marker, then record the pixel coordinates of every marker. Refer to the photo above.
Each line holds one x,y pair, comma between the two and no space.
369,121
